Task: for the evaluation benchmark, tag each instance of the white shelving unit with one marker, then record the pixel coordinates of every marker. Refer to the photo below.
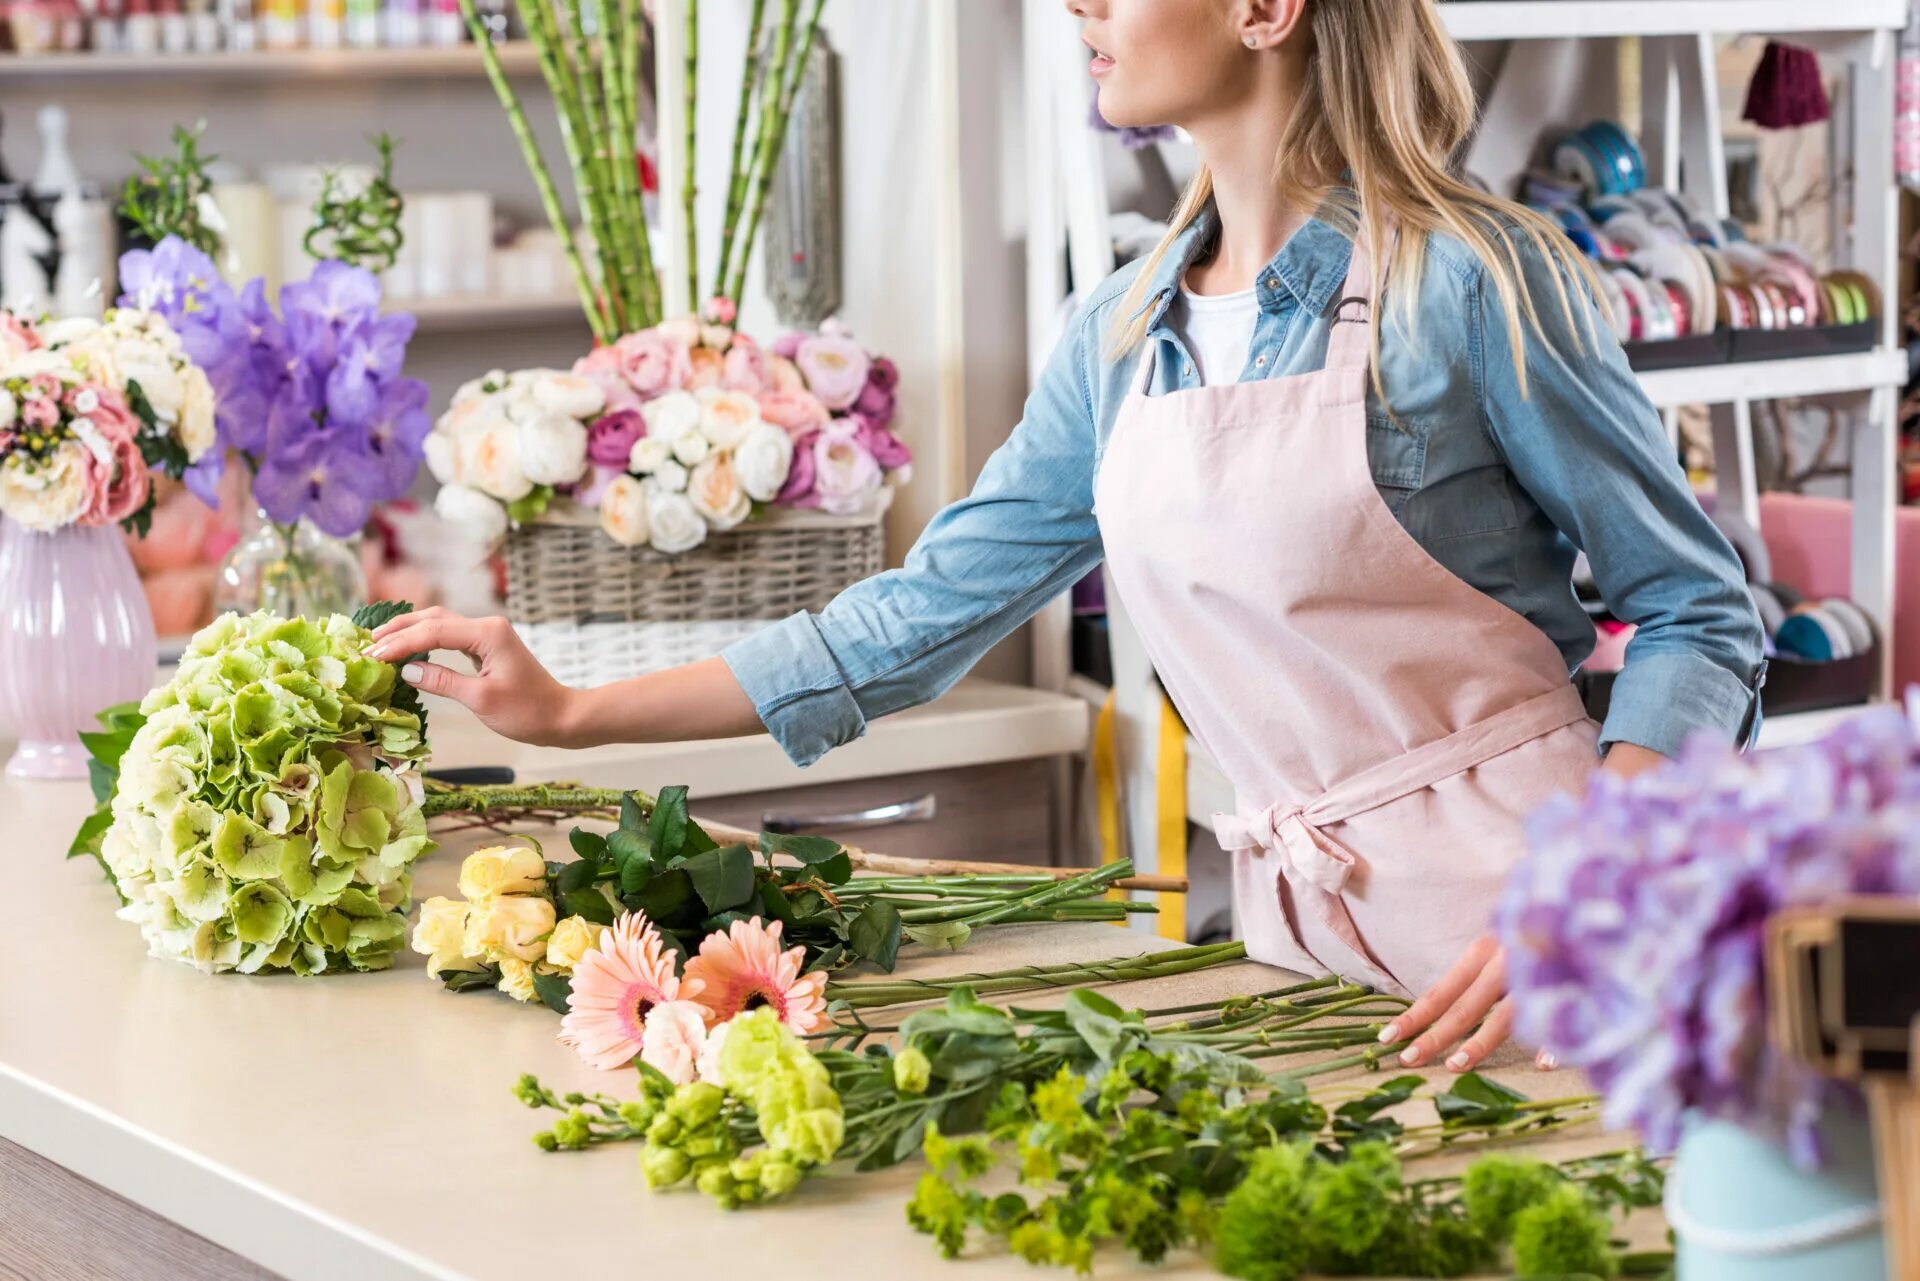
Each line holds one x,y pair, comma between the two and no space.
453,62
1560,69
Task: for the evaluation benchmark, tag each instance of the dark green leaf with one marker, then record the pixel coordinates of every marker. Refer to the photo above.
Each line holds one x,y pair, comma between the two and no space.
698,842
632,817
86,840
380,613
575,876
106,746
723,877
837,870
1385,1095
774,900
590,903
874,935
634,874
666,899
102,779
470,980
588,845
553,990
801,849
629,847
668,829
1099,1022
1474,1100
829,959
948,936
123,716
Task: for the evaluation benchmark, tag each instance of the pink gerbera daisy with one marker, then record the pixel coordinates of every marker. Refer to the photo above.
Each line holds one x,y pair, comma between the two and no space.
745,969
614,986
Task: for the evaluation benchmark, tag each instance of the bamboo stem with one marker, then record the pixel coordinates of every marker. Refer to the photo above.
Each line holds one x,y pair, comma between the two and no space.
647,280
614,59
616,266
771,85
542,178
689,185
736,176
776,139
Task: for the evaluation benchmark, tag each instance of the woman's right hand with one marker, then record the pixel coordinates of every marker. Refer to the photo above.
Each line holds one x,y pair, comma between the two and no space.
509,690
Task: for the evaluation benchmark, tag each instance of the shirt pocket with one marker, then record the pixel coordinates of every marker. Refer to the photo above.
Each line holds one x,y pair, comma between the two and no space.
1397,457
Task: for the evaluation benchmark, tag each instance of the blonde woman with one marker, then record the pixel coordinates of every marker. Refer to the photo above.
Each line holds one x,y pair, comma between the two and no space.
1338,439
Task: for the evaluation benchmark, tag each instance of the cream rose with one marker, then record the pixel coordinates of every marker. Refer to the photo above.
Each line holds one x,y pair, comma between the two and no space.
763,461
569,394
671,416
516,978
623,511
512,925
647,454
48,494
670,476
572,939
440,934
503,869
489,460
467,507
442,460
553,448
674,1034
727,416
673,522
714,489
691,449
9,409
196,426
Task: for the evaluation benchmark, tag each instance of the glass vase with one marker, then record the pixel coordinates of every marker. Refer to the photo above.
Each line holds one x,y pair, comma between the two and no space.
76,637
291,570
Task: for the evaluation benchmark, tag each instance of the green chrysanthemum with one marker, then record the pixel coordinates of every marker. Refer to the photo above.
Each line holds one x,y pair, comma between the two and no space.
268,810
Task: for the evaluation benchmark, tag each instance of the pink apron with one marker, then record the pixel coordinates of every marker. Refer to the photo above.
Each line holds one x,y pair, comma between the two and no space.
1386,726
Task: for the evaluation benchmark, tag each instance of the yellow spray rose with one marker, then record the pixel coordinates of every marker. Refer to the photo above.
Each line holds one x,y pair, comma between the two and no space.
440,936
503,869
572,939
516,978
516,926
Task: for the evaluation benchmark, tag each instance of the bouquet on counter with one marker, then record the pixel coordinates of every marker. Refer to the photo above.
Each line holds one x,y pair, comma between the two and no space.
674,431
1635,929
89,411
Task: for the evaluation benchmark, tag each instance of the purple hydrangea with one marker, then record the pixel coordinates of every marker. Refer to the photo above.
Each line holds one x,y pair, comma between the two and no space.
1635,927
312,397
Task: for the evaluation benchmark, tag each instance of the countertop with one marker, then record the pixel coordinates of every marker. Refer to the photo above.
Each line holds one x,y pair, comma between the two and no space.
361,1126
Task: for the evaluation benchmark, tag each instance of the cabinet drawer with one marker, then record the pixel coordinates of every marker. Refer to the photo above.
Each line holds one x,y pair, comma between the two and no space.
995,813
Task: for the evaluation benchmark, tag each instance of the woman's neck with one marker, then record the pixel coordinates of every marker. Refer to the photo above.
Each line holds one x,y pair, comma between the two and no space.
1256,216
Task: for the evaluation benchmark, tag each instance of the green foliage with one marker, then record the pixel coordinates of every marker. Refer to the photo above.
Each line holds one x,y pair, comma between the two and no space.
1563,1235
361,229
168,196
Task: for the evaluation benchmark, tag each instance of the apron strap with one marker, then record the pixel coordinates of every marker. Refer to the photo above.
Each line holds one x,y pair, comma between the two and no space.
1143,368
1351,346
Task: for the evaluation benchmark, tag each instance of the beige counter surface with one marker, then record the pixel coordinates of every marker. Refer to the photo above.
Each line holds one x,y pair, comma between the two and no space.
360,1127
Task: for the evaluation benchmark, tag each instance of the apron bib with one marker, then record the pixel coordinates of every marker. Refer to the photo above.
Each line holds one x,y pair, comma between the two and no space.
1386,727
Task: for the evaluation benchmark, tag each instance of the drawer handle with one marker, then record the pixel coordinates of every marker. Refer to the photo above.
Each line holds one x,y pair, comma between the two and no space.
790,824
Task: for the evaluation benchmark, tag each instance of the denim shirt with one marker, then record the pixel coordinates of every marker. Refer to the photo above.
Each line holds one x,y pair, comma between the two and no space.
1501,488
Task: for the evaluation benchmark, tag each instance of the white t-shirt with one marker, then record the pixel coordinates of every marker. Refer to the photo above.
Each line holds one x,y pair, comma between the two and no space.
1218,330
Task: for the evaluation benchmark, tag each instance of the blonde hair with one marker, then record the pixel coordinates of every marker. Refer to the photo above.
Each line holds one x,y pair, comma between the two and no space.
1387,99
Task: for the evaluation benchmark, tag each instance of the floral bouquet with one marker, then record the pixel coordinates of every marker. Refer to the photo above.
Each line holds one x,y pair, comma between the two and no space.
695,428
89,410
1635,929
262,808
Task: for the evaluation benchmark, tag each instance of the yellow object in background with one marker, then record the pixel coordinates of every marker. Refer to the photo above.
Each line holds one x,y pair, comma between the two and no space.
1170,806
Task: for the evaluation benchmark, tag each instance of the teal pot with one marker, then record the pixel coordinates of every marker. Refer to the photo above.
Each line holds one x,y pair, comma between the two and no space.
1741,1210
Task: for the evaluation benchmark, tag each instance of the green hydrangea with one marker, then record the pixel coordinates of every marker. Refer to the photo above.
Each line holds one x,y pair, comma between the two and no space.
267,812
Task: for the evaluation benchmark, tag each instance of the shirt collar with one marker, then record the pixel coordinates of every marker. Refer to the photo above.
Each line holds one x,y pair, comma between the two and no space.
1307,270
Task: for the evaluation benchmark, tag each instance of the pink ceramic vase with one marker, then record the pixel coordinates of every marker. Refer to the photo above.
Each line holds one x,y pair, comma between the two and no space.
75,637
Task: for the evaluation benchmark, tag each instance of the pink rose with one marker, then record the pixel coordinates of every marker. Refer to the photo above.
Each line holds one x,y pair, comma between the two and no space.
844,474
835,369
797,412
787,344
887,449
875,404
17,337
720,310
744,368
39,413
602,366
785,375
799,490
610,437
112,417
45,385
652,363
885,374
119,485
708,367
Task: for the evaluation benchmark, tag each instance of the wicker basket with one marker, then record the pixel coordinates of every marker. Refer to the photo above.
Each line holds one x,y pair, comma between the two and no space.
594,611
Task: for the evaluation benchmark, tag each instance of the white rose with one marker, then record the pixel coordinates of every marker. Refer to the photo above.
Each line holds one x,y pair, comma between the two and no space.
464,414
441,458
9,409
70,331
44,362
553,449
52,494
489,460
469,508
472,390
670,476
691,448
673,522
763,461
87,401
140,362
196,426
568,394
672,415
714,490
623,511
647,454
727,416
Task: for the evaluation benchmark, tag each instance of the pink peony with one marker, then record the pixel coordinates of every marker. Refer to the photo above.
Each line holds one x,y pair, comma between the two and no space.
798,412
120,485
799,489
835,369
875,404
39,413
652,363
111,415
787,344
885,374
744,367
887,449
610,437
602,365
707,368
845,473
785,375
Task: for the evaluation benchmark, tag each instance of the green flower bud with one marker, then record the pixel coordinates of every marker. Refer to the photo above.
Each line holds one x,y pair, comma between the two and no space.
664,1128
696,1103
912,1071
715,1180
638,1115
664,1167
546,1142
779,1177
527,1090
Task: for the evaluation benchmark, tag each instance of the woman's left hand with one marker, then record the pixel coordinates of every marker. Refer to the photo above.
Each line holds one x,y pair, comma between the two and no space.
1473,994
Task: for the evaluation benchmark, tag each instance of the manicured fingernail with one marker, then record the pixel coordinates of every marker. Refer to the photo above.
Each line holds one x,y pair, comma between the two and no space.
412,673
376,650
1458,1062
1547,1062
1410,1056
1389,1034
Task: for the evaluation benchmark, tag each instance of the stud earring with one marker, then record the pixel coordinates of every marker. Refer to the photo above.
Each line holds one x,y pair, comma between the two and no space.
1253,42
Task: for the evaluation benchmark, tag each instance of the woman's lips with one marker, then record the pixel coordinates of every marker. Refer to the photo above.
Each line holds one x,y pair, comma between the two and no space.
1100,65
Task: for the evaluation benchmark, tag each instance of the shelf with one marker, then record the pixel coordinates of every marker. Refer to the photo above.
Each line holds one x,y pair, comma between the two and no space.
457,62
478,313
1775,379
1553,19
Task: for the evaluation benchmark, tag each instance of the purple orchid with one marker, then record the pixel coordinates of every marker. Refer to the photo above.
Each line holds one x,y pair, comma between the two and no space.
322,476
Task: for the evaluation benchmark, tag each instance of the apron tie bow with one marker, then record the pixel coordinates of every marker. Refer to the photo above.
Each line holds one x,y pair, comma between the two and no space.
1310,854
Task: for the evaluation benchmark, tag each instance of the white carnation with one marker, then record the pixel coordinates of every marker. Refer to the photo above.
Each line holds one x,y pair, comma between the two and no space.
647,455
691,448
623,511
671,416
553,448
673,523
470,509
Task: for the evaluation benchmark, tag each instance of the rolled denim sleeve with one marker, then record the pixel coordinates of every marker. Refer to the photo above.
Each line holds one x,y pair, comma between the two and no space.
1589,447
980,569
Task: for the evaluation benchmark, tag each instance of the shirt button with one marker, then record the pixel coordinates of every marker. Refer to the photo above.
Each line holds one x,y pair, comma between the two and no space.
1189,371
1271,283
1260,362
